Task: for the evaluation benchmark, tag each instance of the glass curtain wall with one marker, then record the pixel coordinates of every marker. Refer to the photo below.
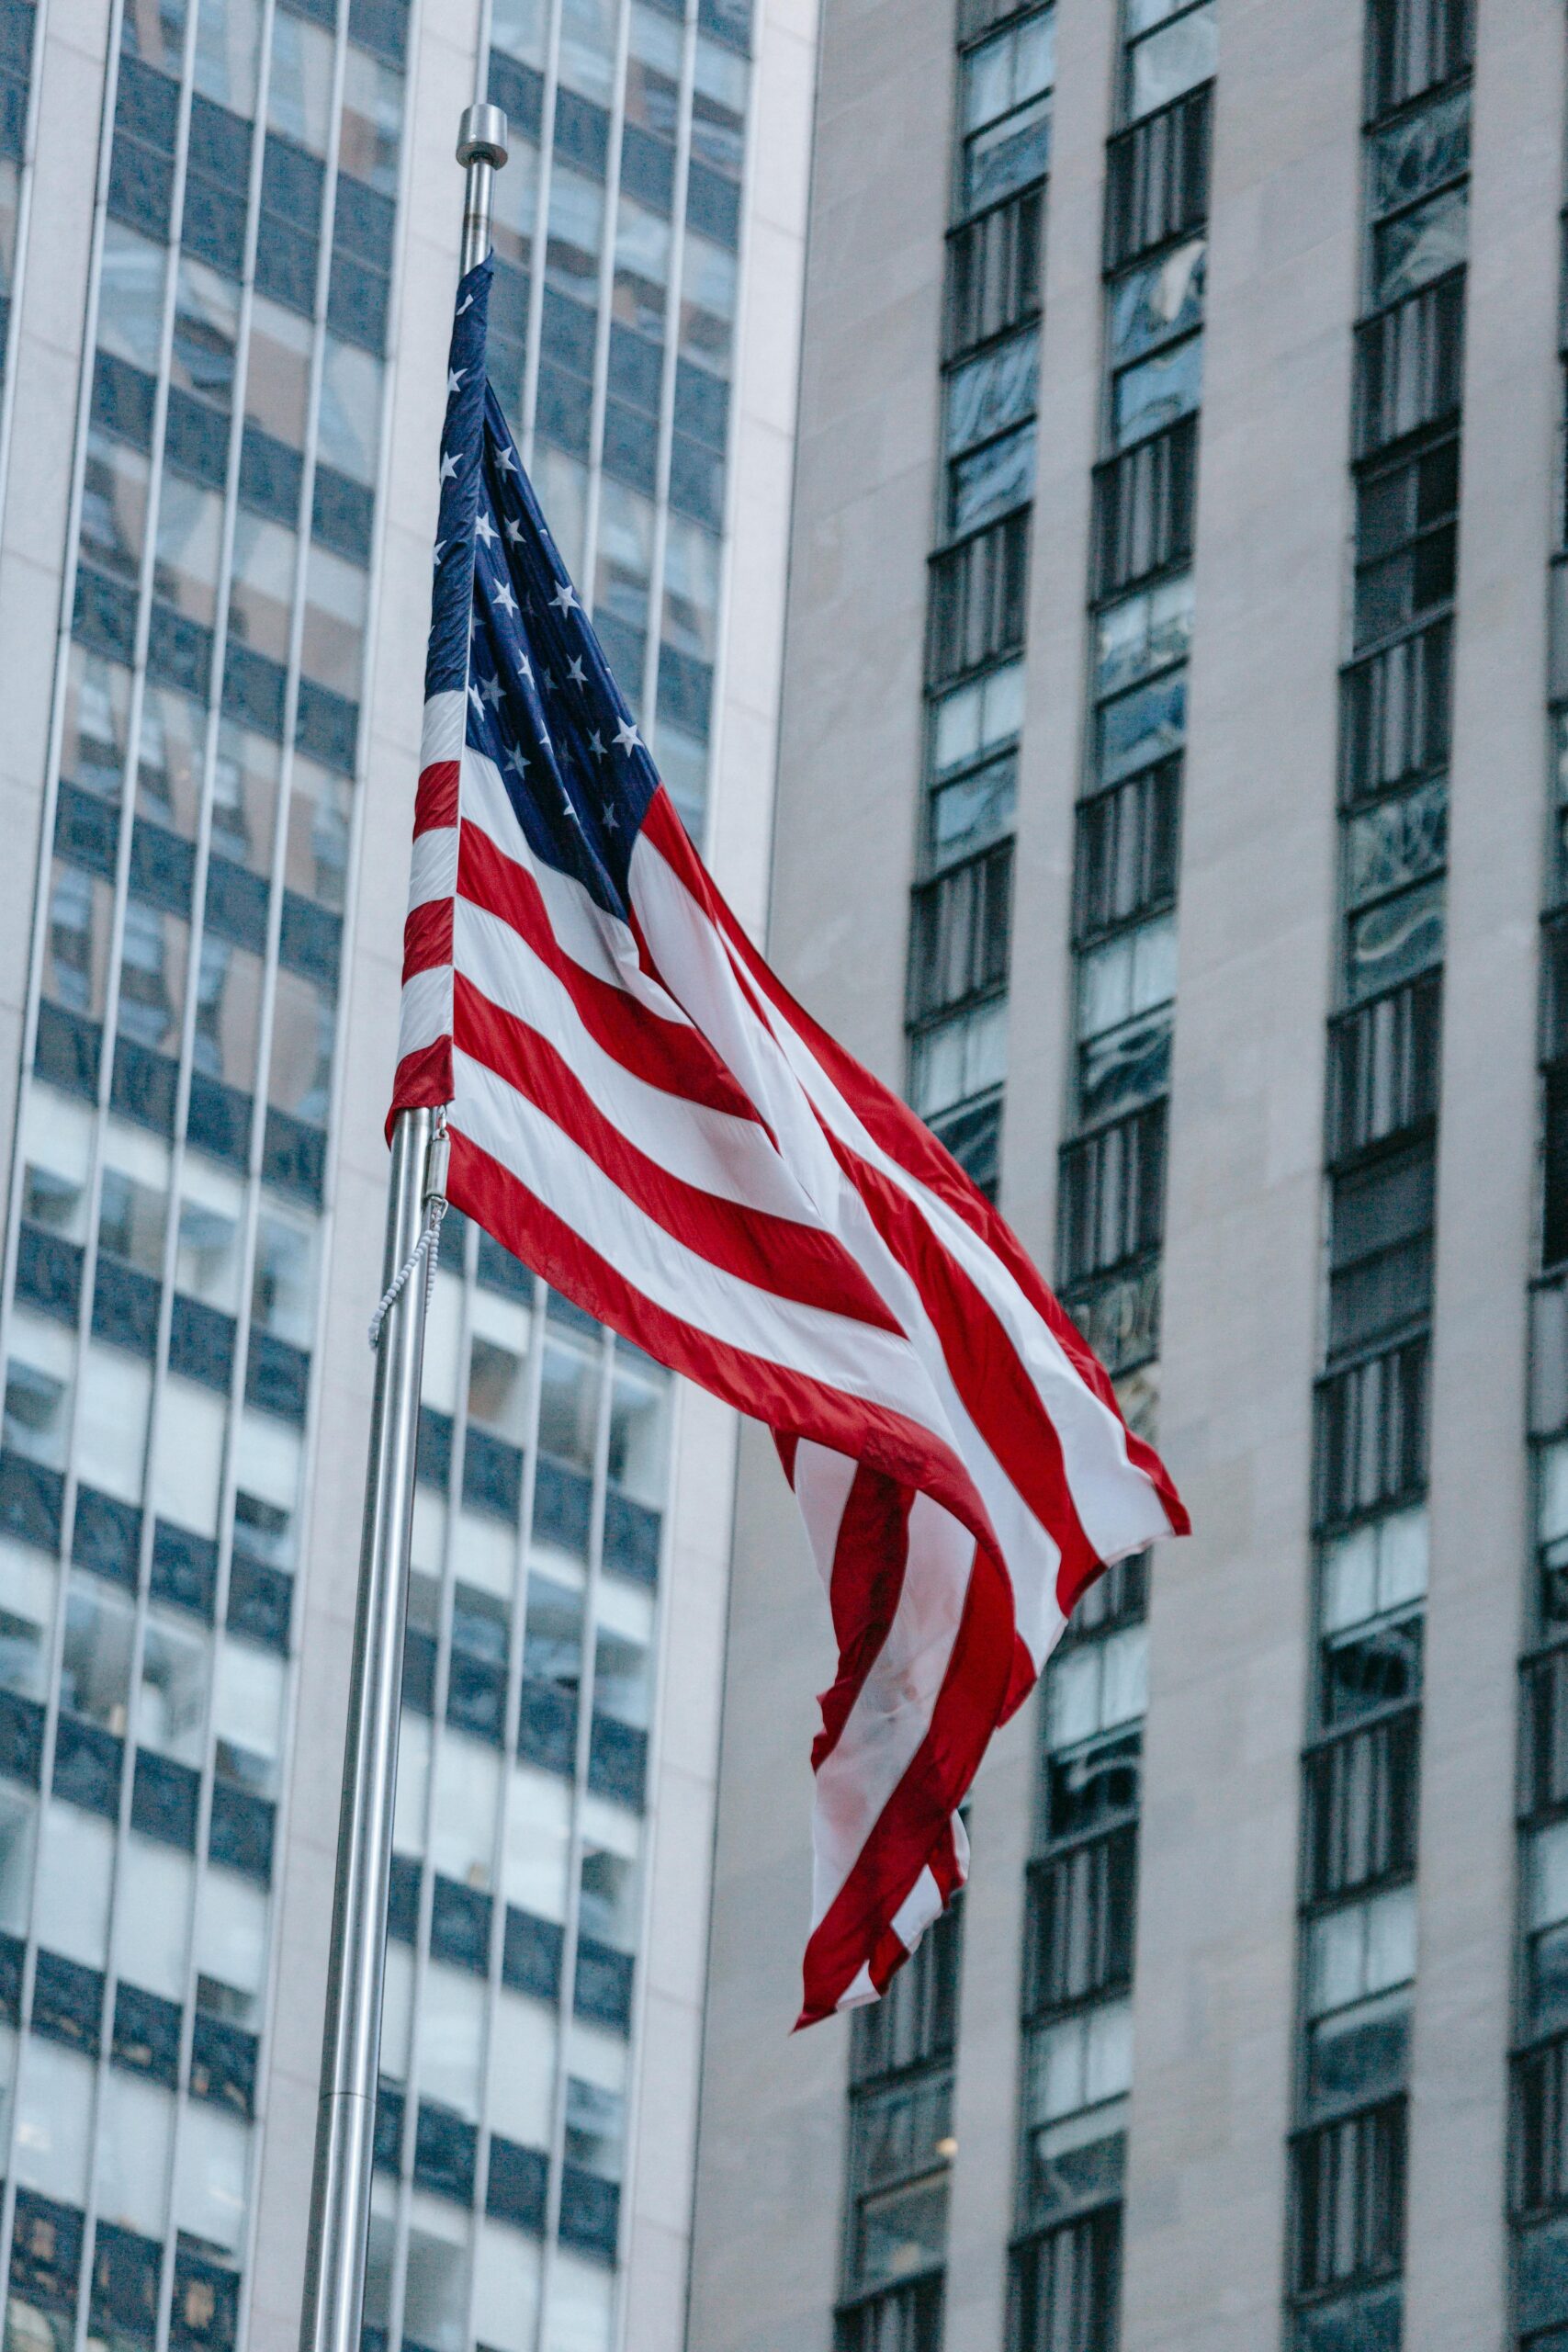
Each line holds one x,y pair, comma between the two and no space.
526,1778
161,1307
1110,1194
1358,1956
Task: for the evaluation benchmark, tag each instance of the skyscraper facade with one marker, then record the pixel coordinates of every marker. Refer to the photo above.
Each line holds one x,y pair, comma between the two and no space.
228,242
1170,801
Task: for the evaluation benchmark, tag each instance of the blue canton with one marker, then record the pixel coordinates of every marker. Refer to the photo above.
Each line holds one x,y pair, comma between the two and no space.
508,631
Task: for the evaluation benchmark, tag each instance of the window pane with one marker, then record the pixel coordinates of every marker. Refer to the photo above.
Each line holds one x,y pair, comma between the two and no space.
1167,62
169,759
1153,305
1153,395
1418,246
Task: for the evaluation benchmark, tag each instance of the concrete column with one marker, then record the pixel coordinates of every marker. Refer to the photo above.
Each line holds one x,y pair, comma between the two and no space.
1215,1995
1456,2241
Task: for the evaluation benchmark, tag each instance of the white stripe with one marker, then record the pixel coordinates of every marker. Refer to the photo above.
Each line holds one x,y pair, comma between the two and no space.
446,719
919,1909
893,1709
427,1011
854,1358
822,1484
716,1151
861,1992
433,868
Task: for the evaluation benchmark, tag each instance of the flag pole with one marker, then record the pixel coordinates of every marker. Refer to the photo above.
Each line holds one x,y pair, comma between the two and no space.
333,2311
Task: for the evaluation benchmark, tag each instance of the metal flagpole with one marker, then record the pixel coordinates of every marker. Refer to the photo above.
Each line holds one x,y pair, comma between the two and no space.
345,2122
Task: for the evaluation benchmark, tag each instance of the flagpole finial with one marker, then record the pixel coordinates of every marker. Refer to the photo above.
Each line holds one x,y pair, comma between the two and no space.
481,151
482,137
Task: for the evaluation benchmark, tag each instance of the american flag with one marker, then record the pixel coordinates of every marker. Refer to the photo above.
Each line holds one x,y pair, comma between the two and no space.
642,1113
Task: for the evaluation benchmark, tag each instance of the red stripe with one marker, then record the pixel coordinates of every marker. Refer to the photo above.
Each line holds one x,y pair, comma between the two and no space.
868,1558
790,1403
667,1054
427,937
435,802
915,1827
788,1260
424,1081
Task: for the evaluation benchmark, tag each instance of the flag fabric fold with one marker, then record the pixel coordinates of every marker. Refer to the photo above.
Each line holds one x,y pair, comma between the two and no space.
639,1110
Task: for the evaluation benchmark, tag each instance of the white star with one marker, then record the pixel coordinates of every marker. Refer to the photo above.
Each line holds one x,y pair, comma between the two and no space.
611,821
565,598
490,690
574,670
569,812
505,463
484,529
476,698
448,466
596,744
527,669
505,597
454,378
437,553
516,763
549,683
627,737
515,531
465,306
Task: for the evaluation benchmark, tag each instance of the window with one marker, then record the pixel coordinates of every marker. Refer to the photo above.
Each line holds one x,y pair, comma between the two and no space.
990,433
1413,45
1145,502
1371,1433
1379,1252
993,272
915,2019
973,730
1126,861
959,937
1373,1581
1006,101
1158,179
1080,1922
976,601
1112,1200
1419,202
1171,49
1349,2217
900,2151
1410,366
1066,2287
1383,1063
959,1058
1406,540
1546,1927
